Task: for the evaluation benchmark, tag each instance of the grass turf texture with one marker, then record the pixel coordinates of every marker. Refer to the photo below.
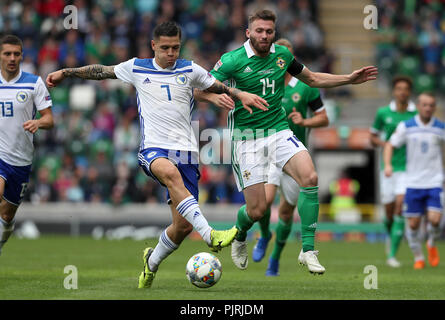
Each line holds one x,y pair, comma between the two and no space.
34,269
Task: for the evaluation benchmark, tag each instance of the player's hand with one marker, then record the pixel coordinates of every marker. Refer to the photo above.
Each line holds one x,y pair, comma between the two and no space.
250,99
364,74
388,171
223,101
54,78
296,117
31,126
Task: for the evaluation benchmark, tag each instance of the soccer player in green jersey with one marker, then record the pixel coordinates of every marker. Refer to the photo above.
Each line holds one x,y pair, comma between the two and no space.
260,138
304,110
392,189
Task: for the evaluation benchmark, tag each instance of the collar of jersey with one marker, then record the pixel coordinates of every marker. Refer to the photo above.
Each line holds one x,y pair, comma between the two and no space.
411,106
249,49
421,124
158,67
13,80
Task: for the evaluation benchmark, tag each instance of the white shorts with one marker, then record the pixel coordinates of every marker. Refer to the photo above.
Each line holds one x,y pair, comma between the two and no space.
392,186
286,184
251,158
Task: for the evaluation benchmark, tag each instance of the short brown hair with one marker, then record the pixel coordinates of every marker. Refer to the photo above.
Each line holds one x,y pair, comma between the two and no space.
262,15
427,93
11,39
167,29
406,79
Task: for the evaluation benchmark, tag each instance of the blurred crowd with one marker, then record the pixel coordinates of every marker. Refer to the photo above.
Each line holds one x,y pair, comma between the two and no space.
411,41
91,154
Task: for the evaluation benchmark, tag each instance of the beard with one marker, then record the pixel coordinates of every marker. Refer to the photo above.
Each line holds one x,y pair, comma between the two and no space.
260,47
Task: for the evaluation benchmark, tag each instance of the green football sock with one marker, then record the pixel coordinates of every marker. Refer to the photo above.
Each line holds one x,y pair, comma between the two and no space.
388,224
282,233
308,209
264,224
397,229
243,224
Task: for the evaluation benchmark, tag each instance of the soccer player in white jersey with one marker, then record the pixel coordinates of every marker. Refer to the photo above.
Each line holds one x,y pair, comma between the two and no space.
21,95
169,151
423,136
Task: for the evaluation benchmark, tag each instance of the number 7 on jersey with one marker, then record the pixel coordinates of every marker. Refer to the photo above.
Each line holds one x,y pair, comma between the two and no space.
168,91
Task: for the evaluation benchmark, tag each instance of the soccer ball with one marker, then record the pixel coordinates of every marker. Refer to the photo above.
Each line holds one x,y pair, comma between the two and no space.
203,270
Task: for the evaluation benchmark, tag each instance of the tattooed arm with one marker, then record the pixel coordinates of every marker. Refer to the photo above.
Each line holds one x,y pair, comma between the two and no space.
219,88
90,72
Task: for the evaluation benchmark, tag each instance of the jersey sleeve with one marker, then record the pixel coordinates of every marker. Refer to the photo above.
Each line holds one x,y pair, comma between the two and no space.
124,71
314,99
42,98
201,79
398,138
223,69
378,123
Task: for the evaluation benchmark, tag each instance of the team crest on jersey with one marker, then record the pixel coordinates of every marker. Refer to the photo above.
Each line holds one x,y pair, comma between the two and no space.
281,63
296,97
217,65
246,174
22,96
181,79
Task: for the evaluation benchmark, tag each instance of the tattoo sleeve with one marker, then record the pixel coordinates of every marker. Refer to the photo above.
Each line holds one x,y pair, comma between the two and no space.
91,72
219,87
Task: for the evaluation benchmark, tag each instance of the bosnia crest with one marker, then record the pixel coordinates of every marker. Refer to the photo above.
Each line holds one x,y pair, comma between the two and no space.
22,96
181,78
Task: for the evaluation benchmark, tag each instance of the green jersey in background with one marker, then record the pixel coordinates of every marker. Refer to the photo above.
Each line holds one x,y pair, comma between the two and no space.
386,120
305,100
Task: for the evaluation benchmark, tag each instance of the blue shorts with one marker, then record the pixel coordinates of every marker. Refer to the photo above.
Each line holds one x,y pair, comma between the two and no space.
185,161
17,178
419,201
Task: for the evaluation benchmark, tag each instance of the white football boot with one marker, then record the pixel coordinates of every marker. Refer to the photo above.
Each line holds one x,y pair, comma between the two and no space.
239,254
393,262
309,259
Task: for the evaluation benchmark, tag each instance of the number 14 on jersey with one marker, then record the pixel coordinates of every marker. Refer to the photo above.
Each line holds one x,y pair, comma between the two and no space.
268,84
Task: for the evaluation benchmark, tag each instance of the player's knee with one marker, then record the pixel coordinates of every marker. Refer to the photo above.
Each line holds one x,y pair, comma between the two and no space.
435,220
7,211
257,212
310,180
170,176
285,215
414,224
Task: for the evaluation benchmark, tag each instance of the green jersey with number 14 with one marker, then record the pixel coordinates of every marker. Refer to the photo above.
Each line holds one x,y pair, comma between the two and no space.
263,76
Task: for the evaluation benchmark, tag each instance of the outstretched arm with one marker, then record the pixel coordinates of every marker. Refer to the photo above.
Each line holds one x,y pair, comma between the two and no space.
327,80
247,99
219,100
90,72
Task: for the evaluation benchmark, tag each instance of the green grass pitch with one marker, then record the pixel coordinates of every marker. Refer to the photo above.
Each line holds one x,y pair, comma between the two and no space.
34,269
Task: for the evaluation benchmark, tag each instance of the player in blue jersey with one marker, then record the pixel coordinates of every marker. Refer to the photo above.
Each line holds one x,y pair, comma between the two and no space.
169,151
423,136
22,94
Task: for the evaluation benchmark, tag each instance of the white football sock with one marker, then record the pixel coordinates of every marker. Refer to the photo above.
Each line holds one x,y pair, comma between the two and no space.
162,250
189,209
414,243
6,229
433,234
